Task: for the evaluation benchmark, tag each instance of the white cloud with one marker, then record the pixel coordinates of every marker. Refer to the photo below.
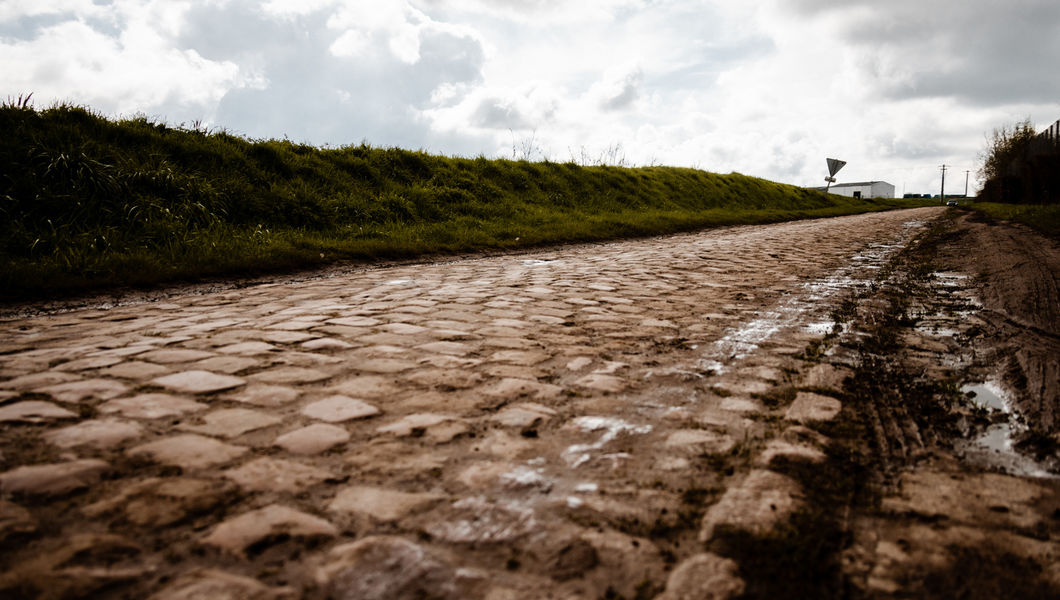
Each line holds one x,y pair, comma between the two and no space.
619,88
295,8
397,24
495,111
539,12
764,87
134,71
351,43
17,9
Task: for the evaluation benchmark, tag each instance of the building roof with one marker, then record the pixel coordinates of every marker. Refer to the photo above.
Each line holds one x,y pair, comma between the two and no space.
860,183
850,185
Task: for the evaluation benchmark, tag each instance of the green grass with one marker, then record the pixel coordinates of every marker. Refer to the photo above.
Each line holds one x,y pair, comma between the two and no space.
88,202
1045,218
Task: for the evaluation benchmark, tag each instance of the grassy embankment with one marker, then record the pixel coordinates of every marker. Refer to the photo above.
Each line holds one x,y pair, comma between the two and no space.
1042,217
87,202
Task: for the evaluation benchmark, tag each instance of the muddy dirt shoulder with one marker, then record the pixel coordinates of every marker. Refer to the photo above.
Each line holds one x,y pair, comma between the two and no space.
1016,273
944,514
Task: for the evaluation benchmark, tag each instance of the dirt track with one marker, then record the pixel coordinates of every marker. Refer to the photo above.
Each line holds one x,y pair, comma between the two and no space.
1017,276
599,421
958,384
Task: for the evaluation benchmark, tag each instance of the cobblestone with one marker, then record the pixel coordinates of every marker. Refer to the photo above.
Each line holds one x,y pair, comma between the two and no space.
198,382
380,504
313,439
273,474
265,395
208,583
339,408
173,356
102,434
760,502
232,422
188,451
159,502
74,392
704,577
38,380
135,369
53,479
33,411
809,407
151,406
290,375
238,533
384,567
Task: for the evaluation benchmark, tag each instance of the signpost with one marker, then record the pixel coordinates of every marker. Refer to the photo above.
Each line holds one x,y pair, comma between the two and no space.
834,164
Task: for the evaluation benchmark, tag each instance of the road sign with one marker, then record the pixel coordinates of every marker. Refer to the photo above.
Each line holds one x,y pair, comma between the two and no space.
834,164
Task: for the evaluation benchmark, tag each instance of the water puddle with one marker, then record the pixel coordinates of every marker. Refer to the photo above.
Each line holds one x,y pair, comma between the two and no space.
988,395
948,279
996,445
813,298
744,340
821,328
527,478
579,454
936,331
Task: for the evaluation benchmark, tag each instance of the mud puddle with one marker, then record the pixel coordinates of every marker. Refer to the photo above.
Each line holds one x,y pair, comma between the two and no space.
995,427
996,445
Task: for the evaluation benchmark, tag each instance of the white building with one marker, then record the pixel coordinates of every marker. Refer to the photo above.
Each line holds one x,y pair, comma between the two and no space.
864,189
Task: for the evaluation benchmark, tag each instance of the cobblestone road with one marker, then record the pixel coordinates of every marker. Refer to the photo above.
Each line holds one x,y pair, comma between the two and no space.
556,424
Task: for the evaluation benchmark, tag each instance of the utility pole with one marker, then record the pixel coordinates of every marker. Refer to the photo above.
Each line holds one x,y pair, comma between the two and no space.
943,192
966,183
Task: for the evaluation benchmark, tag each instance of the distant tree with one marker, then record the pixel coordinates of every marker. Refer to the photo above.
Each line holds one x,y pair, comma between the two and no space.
1020,166
1005,149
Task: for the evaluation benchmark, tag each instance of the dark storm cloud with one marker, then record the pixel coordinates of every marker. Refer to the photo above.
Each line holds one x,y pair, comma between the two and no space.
980,52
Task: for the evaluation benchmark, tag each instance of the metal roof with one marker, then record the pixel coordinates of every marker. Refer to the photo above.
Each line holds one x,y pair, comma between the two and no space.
857,184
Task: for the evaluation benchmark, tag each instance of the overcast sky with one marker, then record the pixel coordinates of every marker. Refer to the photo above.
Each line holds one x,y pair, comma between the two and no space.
763,87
